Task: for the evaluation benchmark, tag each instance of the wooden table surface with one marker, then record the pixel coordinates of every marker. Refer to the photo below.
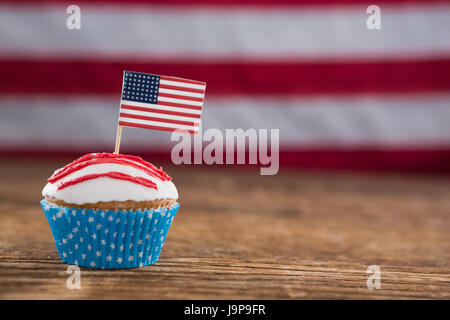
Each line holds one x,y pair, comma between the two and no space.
239,235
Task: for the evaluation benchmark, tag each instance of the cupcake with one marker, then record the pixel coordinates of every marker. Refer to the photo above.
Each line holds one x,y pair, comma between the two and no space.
109,211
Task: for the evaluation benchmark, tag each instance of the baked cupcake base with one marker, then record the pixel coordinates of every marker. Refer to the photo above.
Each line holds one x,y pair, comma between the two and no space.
106,238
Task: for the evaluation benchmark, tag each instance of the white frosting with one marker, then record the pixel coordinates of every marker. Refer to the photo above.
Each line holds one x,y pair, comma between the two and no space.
108,189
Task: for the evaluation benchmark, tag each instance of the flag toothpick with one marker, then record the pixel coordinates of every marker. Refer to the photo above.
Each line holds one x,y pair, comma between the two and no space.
119,135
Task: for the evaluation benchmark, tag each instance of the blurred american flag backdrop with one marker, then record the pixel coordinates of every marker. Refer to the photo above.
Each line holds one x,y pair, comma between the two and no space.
343,96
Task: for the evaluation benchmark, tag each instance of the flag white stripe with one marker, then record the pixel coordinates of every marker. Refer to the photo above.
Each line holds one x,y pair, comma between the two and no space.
182,84
402,121
206,32
181,101
182,93
161,107
159,115
157,123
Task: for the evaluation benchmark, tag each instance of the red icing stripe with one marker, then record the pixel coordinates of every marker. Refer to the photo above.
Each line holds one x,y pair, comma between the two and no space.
96,158
113,175
84,164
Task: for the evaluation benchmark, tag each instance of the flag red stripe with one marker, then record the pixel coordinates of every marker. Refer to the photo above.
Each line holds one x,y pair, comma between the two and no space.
135,116
144,126
176,96
435,161
429,161
173,113
166,86
100,78
182,80
173,104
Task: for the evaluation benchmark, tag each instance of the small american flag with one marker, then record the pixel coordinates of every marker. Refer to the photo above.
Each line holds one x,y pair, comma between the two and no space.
160,102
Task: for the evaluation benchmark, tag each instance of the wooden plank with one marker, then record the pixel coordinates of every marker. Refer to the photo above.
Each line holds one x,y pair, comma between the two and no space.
239,235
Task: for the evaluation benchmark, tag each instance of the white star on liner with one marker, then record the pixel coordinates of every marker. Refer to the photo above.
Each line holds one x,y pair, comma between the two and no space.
130,258
142,219
112,246
64,241
91,219
102,214
75,262
99,226
119,260
81,239
83,256
83,212
141,253
64,254
86,229
163,214
156,221
110,218
106,231
60,213
92,264
147,236
132,233
139,242
70,236
75,230
46,207
121,248
117,220
103,241
150,215
115,234
123,235
131,245
54,218
161,231
162,238
141,264
76,246
98,253
89,247
156,248
108,258
74,213
78,223
94,236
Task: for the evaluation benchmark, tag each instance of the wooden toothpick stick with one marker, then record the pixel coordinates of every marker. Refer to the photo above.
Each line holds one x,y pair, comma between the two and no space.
119,135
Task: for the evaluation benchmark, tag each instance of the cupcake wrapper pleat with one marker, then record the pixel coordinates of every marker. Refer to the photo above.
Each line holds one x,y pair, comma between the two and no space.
109,239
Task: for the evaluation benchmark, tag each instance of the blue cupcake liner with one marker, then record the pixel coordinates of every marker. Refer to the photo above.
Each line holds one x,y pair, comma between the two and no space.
109,239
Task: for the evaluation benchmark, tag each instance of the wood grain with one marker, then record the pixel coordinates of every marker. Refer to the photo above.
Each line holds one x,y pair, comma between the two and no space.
239,235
